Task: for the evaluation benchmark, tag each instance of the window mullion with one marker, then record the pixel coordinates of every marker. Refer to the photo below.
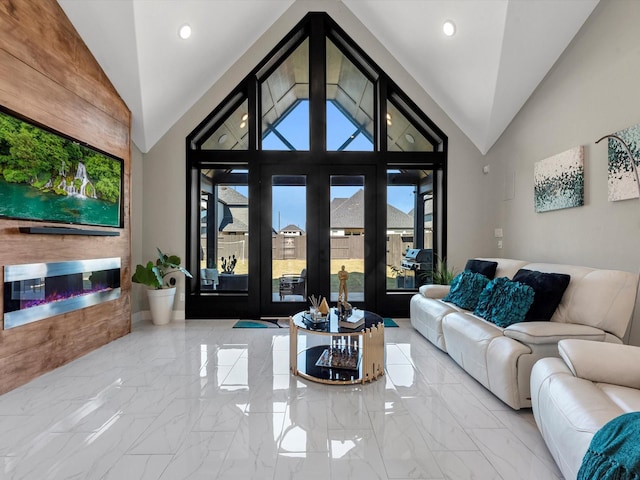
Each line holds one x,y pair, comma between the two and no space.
317,86
253,101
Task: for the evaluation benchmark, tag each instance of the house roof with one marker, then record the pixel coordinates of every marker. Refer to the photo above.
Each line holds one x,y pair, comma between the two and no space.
235,219
230,196
349,213
291,228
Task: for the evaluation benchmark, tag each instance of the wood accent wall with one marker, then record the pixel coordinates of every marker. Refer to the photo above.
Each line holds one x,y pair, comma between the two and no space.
48,75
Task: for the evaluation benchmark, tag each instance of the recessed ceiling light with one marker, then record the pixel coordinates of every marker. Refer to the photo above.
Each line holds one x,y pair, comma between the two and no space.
184,31
222,139
449,28
244,117
410,138
243,124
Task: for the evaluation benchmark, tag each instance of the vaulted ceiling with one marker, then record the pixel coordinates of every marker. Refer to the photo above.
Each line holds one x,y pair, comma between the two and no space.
480,77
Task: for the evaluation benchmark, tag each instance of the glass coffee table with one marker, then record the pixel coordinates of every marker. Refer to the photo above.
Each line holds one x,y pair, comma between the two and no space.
323,351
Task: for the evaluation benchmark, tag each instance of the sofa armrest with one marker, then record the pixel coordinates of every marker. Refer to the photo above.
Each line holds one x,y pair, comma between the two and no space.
435,291
551,332
601,362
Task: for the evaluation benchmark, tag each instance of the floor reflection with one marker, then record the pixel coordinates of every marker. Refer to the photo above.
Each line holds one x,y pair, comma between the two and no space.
200,399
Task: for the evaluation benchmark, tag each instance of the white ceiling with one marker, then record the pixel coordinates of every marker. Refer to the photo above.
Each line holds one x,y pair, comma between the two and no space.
480,77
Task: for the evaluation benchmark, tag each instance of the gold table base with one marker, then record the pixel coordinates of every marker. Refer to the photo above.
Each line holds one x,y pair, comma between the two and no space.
371,344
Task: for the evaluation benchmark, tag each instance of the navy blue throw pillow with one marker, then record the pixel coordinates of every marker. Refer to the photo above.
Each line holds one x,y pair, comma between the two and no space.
549,288
504,302
483,267
465,290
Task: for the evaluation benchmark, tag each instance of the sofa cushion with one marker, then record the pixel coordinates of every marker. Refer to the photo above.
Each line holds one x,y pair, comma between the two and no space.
540,333
600,298
602,362
466,288
483,267
548,288
626,398
504,302
467,338
434,291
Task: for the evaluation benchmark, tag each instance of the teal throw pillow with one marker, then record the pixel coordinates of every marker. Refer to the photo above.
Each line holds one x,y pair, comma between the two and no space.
465,290
504,302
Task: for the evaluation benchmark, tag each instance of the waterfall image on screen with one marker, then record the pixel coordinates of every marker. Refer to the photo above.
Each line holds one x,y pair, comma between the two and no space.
47,177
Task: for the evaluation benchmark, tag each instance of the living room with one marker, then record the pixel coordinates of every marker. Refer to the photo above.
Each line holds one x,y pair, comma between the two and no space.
589,92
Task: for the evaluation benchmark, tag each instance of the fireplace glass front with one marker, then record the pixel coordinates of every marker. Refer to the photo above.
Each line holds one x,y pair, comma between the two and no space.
40,290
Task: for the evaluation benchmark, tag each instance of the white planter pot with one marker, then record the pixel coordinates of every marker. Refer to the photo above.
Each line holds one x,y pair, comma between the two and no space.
161,305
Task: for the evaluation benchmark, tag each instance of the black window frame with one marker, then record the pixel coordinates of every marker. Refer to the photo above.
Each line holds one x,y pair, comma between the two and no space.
317,27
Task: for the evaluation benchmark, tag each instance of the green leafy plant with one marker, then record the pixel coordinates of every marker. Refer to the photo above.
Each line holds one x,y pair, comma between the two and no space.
442,274
395,271
152,275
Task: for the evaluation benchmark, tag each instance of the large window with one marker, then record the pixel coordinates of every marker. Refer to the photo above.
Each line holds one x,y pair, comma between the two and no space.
409,227
289,249
317,160
224,231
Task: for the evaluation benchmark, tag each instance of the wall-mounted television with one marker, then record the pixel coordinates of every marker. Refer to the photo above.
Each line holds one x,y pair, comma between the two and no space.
46,176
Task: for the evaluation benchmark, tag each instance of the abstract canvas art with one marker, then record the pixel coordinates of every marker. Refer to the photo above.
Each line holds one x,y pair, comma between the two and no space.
622,181
559,181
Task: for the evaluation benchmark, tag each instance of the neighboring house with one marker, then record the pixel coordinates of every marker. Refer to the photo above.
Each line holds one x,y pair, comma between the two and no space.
291,231
347,217
233,225
233,212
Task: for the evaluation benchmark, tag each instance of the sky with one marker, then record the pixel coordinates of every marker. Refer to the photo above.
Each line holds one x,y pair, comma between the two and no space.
289,203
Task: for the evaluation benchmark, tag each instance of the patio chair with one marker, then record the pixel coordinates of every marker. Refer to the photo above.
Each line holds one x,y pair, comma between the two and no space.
209,278
293,284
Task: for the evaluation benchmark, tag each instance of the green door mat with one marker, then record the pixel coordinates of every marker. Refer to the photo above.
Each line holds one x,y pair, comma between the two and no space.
257,324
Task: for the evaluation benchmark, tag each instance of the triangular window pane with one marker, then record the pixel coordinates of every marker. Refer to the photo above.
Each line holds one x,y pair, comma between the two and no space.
233,133
403,135
349,104
285,103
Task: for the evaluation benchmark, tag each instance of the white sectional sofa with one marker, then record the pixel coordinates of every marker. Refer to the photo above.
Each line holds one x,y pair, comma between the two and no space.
576,395
597,305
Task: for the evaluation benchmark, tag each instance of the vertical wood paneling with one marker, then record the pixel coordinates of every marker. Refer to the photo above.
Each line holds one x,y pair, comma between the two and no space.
49,76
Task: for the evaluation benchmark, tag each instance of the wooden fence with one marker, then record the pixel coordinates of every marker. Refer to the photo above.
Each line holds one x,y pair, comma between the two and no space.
295,247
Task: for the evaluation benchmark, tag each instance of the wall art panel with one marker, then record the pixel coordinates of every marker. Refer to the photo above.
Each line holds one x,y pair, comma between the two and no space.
622,181
559,181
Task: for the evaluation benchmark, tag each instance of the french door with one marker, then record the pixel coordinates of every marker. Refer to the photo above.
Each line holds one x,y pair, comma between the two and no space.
316,222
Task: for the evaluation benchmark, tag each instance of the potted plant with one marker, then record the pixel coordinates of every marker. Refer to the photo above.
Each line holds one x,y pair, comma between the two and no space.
228,265
398,274
442,274
229,280
161,293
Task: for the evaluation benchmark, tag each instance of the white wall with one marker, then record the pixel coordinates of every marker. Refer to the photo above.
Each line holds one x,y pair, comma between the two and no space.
138,300
593,90
163,216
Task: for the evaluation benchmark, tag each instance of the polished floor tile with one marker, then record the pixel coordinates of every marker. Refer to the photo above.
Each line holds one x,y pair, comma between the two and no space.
201,400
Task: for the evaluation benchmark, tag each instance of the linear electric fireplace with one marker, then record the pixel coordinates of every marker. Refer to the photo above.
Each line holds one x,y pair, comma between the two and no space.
40,290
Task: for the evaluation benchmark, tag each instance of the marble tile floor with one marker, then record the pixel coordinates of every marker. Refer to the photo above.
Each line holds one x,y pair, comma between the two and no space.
201,400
